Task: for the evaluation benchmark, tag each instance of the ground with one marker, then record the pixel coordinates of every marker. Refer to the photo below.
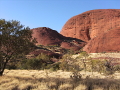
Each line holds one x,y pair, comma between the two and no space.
49,80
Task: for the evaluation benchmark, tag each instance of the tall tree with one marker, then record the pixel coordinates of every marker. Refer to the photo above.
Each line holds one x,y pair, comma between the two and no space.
15,39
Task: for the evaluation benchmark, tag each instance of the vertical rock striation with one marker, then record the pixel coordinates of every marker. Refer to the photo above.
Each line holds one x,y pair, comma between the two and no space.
95,27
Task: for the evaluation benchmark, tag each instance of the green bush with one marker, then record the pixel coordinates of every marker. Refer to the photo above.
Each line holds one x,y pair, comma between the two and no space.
97,65
42,61
103,66
43,57
67,63
54,67
30,64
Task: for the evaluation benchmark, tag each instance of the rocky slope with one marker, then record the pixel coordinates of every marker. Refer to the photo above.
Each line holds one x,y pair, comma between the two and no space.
46,36
100,28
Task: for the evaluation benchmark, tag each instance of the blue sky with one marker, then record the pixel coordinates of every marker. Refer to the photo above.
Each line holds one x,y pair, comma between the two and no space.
50,13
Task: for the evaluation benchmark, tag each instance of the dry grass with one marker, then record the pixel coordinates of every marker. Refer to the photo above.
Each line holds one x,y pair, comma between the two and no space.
59,80
47,80
97,55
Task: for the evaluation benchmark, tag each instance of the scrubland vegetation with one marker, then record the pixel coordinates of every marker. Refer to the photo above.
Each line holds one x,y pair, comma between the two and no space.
59,80
80,73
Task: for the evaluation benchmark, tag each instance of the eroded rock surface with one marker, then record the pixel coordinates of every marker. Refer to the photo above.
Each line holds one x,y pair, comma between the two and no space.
99,28
107,42
89,24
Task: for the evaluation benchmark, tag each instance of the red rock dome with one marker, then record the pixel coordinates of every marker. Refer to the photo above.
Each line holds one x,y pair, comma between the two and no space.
89,24
99,28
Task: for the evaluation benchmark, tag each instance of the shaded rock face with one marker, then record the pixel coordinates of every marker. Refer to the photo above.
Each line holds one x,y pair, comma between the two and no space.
107,42
99,28
49,53
71,46
89,24
46,36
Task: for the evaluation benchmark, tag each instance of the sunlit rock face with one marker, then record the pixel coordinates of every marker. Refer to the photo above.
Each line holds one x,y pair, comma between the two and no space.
46,36
93,26
107,42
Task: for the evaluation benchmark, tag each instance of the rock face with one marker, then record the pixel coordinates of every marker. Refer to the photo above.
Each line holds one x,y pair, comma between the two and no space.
107,42
89,24
95,27
46,36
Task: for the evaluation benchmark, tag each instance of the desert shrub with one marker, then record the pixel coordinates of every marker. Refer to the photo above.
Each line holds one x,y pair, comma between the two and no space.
40,62
67,63
64,65
97,65
54,67
103,66
117,68
31,64
45,58
82,59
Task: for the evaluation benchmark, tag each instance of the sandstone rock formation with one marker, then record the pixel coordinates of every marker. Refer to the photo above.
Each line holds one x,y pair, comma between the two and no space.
107,42
95,27
46,36
89,24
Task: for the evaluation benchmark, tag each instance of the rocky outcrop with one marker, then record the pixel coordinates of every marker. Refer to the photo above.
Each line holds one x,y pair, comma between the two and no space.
89,24
99,28
107,42
46,36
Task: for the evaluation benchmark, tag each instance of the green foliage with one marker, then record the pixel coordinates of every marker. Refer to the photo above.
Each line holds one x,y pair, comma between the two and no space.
42,61
83,58
83,54
43,57
97,65
54,67
69,64
15,39
103,66
32,63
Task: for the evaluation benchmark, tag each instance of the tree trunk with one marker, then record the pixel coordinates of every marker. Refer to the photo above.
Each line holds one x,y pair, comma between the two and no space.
2,69
1,73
